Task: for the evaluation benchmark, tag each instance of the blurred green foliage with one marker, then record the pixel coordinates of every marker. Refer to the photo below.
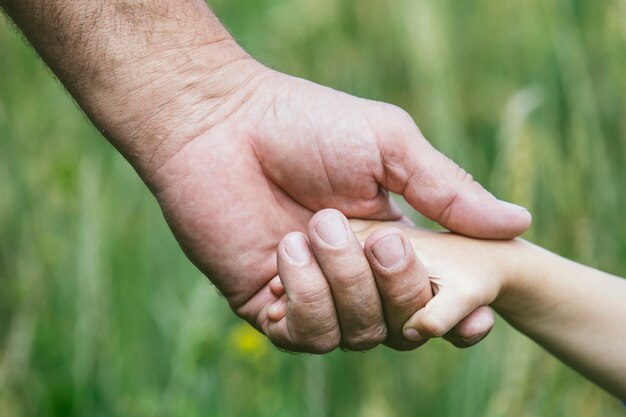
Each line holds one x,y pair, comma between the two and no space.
102,315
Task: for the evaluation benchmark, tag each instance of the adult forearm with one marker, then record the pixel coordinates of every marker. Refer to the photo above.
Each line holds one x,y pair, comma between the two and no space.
574,311
137,67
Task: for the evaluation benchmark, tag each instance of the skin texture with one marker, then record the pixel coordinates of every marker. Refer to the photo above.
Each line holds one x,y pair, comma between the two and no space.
238,155
573,311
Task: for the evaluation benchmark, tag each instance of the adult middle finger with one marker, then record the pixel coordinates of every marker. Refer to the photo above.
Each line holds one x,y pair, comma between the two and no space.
347,270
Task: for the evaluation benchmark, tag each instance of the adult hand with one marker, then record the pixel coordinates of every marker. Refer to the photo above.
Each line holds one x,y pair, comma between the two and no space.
294,147
239,155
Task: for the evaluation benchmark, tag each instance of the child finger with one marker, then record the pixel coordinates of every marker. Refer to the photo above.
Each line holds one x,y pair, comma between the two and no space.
447,308
472,329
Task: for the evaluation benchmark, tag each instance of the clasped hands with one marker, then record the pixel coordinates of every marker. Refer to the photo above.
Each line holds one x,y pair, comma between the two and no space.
333,291
245,163
275,152
239,155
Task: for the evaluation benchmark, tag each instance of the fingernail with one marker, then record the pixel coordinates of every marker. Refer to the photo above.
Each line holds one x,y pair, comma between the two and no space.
473,340
297,248
412,335
389,251
332,230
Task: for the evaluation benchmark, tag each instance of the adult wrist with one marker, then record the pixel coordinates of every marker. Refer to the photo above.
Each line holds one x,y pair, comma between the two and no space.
149,74
170,98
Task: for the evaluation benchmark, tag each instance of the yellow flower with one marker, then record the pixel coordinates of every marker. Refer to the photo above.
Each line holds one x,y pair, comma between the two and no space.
247,341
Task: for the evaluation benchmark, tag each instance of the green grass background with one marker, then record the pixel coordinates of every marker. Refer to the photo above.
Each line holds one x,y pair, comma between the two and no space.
102,315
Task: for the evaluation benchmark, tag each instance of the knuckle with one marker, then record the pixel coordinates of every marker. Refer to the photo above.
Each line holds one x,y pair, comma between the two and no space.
355,276
315,331
311,297
432,327
399,114
446,205
318,339
405,288
423,290
413,299
401,126
365,339
470,295
402,300
324,343
445,202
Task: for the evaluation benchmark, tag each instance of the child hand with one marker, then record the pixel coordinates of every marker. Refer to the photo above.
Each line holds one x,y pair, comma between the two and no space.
465,274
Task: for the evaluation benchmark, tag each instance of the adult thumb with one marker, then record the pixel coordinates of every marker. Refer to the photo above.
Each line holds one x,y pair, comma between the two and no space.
442,191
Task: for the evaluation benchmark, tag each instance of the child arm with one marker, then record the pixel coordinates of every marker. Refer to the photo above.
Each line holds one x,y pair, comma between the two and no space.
575,312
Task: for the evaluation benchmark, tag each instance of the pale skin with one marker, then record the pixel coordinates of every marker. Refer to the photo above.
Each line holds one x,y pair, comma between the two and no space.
238,155
575,312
